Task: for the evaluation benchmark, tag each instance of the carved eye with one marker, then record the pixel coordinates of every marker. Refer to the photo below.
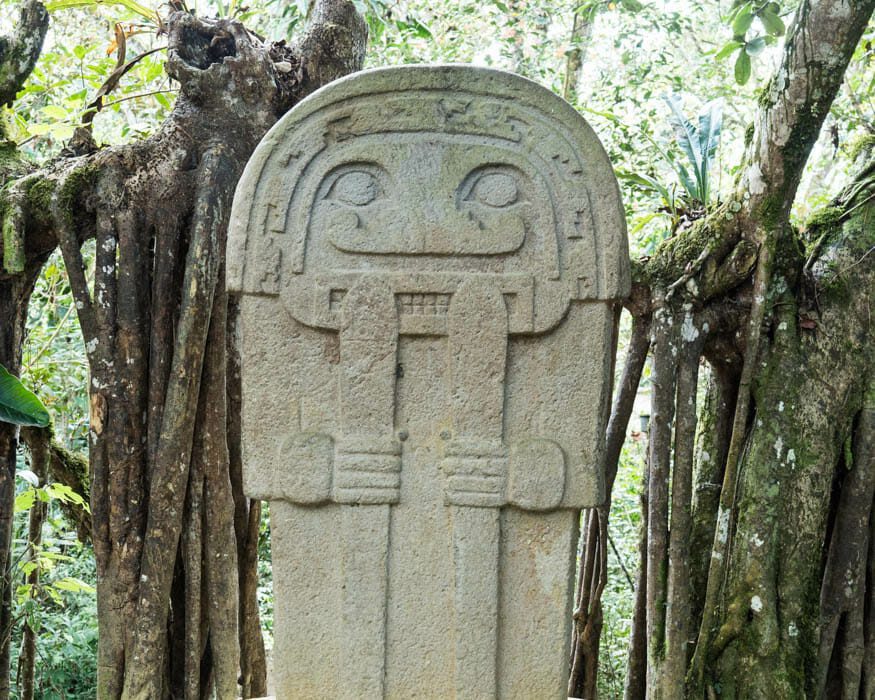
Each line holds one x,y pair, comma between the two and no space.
356,188
495,190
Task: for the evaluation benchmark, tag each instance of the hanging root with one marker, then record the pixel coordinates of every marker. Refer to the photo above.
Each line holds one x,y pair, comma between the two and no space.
722,534
592,576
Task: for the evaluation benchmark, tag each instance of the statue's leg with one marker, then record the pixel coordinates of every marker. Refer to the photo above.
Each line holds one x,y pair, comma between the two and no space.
367,475
475,464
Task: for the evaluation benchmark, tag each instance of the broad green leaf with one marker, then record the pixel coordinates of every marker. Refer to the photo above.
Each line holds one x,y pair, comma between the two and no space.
55,112
688,138
415,27
743,20
19,405
742,68
646,183
25,500
728,49
64,493
55,556
710,127
772,23
39,129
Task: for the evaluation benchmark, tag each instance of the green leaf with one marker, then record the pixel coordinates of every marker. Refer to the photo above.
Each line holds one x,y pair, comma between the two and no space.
64,493
710,127
131,5
74,585
742,68
743,20
55,556
687,137
25,500
772,23
728,49
755,46
632,5
55,112
18,405
415,27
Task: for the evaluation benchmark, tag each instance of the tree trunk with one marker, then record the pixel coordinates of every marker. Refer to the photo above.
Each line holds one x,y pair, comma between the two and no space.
757,577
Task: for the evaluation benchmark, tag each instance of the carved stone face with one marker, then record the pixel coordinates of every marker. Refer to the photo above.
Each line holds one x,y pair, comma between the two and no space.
423,186
392,196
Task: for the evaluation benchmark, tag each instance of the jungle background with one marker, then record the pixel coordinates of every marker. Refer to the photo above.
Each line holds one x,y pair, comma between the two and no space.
640,72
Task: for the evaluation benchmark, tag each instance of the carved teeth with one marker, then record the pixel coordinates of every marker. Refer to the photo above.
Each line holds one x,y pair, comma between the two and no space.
423,304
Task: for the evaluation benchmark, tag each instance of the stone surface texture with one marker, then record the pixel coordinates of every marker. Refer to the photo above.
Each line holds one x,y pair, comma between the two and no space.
430,260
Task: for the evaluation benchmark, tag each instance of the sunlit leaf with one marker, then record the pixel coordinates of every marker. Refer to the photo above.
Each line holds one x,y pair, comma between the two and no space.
131,5
743,20
74,585
728,49
25,500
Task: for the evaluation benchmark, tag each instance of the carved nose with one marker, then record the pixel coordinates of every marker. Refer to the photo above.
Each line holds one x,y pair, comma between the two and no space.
434,212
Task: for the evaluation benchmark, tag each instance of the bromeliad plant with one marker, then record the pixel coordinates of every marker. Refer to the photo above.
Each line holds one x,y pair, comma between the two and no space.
697,144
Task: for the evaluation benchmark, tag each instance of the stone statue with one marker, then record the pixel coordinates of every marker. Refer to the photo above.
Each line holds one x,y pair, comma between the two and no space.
430,261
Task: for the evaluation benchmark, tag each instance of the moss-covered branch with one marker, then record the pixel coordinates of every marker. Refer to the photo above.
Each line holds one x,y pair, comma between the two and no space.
704,260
